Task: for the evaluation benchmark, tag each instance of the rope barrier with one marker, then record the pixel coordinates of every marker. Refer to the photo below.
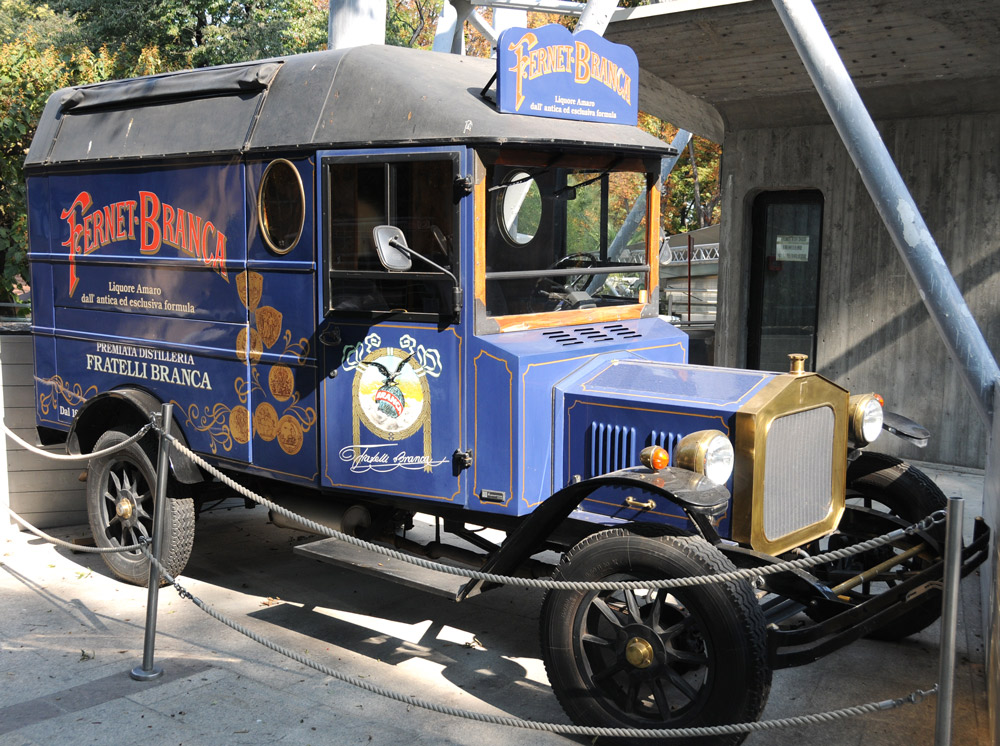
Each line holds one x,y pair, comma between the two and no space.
75,456
80,457
75,547
559,728
749,574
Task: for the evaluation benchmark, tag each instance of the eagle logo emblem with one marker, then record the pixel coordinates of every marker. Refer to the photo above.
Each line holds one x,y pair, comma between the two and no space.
392,397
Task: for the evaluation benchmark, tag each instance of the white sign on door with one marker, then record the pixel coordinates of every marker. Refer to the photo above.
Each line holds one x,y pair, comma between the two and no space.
792,249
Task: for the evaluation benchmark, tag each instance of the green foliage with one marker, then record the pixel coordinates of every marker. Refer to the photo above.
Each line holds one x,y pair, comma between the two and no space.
17,16
30,71
197,33
44,47
27,76
678,213
411,23
250,31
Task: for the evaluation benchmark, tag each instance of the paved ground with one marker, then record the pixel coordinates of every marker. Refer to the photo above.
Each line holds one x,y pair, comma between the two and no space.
69,635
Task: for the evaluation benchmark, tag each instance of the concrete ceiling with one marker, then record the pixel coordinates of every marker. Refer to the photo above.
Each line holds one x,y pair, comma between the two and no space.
733,66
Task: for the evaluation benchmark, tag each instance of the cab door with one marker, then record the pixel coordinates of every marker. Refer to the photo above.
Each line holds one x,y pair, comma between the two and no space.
393,390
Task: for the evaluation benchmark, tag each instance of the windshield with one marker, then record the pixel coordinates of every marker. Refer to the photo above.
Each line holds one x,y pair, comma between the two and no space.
565,234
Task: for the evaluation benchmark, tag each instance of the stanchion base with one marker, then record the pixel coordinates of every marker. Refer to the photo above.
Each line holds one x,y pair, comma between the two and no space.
140,674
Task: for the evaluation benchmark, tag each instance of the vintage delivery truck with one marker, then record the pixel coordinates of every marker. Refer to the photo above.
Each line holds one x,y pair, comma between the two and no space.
366,288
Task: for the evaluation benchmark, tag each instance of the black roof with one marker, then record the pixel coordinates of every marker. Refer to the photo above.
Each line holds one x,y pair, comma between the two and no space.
365,96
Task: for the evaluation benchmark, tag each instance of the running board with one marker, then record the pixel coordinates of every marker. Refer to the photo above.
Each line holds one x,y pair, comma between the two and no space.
341,554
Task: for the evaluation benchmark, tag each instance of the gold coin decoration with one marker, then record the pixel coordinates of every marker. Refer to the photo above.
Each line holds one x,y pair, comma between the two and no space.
239,424
268,324
265,421
281,381
290,434
255,346
250,286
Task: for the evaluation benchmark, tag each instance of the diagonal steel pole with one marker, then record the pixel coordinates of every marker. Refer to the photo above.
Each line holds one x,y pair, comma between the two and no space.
895,205
638,211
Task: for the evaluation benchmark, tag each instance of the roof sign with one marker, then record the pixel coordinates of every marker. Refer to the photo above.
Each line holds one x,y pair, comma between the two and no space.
549,72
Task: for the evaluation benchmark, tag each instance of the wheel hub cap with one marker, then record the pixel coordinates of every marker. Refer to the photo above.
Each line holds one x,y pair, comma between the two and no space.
639,652
124,509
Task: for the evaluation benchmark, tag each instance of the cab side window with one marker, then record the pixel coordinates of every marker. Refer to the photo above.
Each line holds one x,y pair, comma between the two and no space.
416,196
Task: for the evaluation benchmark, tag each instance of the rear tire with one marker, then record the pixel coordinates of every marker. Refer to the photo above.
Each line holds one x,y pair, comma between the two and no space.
120,503
677,658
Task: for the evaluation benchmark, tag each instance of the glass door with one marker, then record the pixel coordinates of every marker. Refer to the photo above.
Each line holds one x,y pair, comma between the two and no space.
784,278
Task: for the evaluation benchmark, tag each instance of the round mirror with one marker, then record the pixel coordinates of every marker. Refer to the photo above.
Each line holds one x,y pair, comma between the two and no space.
519,208
281,206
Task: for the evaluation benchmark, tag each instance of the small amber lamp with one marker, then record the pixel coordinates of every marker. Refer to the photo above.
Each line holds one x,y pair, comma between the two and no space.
655,458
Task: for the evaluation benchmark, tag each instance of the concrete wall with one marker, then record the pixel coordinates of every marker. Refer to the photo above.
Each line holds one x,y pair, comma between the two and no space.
874,332
42,491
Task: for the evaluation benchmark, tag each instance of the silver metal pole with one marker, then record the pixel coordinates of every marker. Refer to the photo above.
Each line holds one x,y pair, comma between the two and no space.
596,16
149,670
949,619
899,212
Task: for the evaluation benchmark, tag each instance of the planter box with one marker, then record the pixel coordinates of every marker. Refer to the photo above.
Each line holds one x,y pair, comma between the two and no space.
42,491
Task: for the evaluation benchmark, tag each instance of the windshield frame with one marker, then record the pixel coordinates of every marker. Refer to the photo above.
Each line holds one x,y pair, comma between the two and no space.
647,302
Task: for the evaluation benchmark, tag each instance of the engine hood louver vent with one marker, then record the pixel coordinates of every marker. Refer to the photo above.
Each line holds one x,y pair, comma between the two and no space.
589,334
614,447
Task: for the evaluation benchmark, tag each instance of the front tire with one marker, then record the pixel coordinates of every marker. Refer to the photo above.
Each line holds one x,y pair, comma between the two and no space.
120,497
677,658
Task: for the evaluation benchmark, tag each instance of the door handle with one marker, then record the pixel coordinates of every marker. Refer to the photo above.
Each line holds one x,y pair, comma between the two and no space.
330,336
631,502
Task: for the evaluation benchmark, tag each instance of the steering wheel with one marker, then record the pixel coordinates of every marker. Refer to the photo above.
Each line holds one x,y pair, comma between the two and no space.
553,293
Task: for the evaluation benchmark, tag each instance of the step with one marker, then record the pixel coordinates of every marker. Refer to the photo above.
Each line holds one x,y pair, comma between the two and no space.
336,552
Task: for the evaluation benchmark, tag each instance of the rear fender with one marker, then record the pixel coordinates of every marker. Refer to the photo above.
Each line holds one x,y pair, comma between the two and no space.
129,408
700,498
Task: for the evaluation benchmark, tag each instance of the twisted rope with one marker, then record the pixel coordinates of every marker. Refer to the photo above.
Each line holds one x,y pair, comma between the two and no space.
60,543
749,574
75,456
559,728
81,457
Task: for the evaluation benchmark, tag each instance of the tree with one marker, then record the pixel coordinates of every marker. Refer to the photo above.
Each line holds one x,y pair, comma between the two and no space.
677,212
196,33
17,16
411,23
46,47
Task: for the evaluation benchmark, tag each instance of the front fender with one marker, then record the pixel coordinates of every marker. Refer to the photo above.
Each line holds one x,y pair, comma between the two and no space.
698,496
905,429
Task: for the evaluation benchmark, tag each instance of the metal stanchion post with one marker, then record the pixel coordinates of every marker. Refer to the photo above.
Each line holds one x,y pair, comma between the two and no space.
149,670
949,619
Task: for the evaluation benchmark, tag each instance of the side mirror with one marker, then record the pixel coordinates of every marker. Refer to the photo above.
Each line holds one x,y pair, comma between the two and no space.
390,243
665,254
396,256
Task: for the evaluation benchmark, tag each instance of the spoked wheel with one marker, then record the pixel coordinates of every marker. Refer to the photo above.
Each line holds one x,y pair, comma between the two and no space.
120,497
655,658
884,484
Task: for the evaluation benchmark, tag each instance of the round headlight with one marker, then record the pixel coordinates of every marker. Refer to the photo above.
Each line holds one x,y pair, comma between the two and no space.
866,418
707,452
